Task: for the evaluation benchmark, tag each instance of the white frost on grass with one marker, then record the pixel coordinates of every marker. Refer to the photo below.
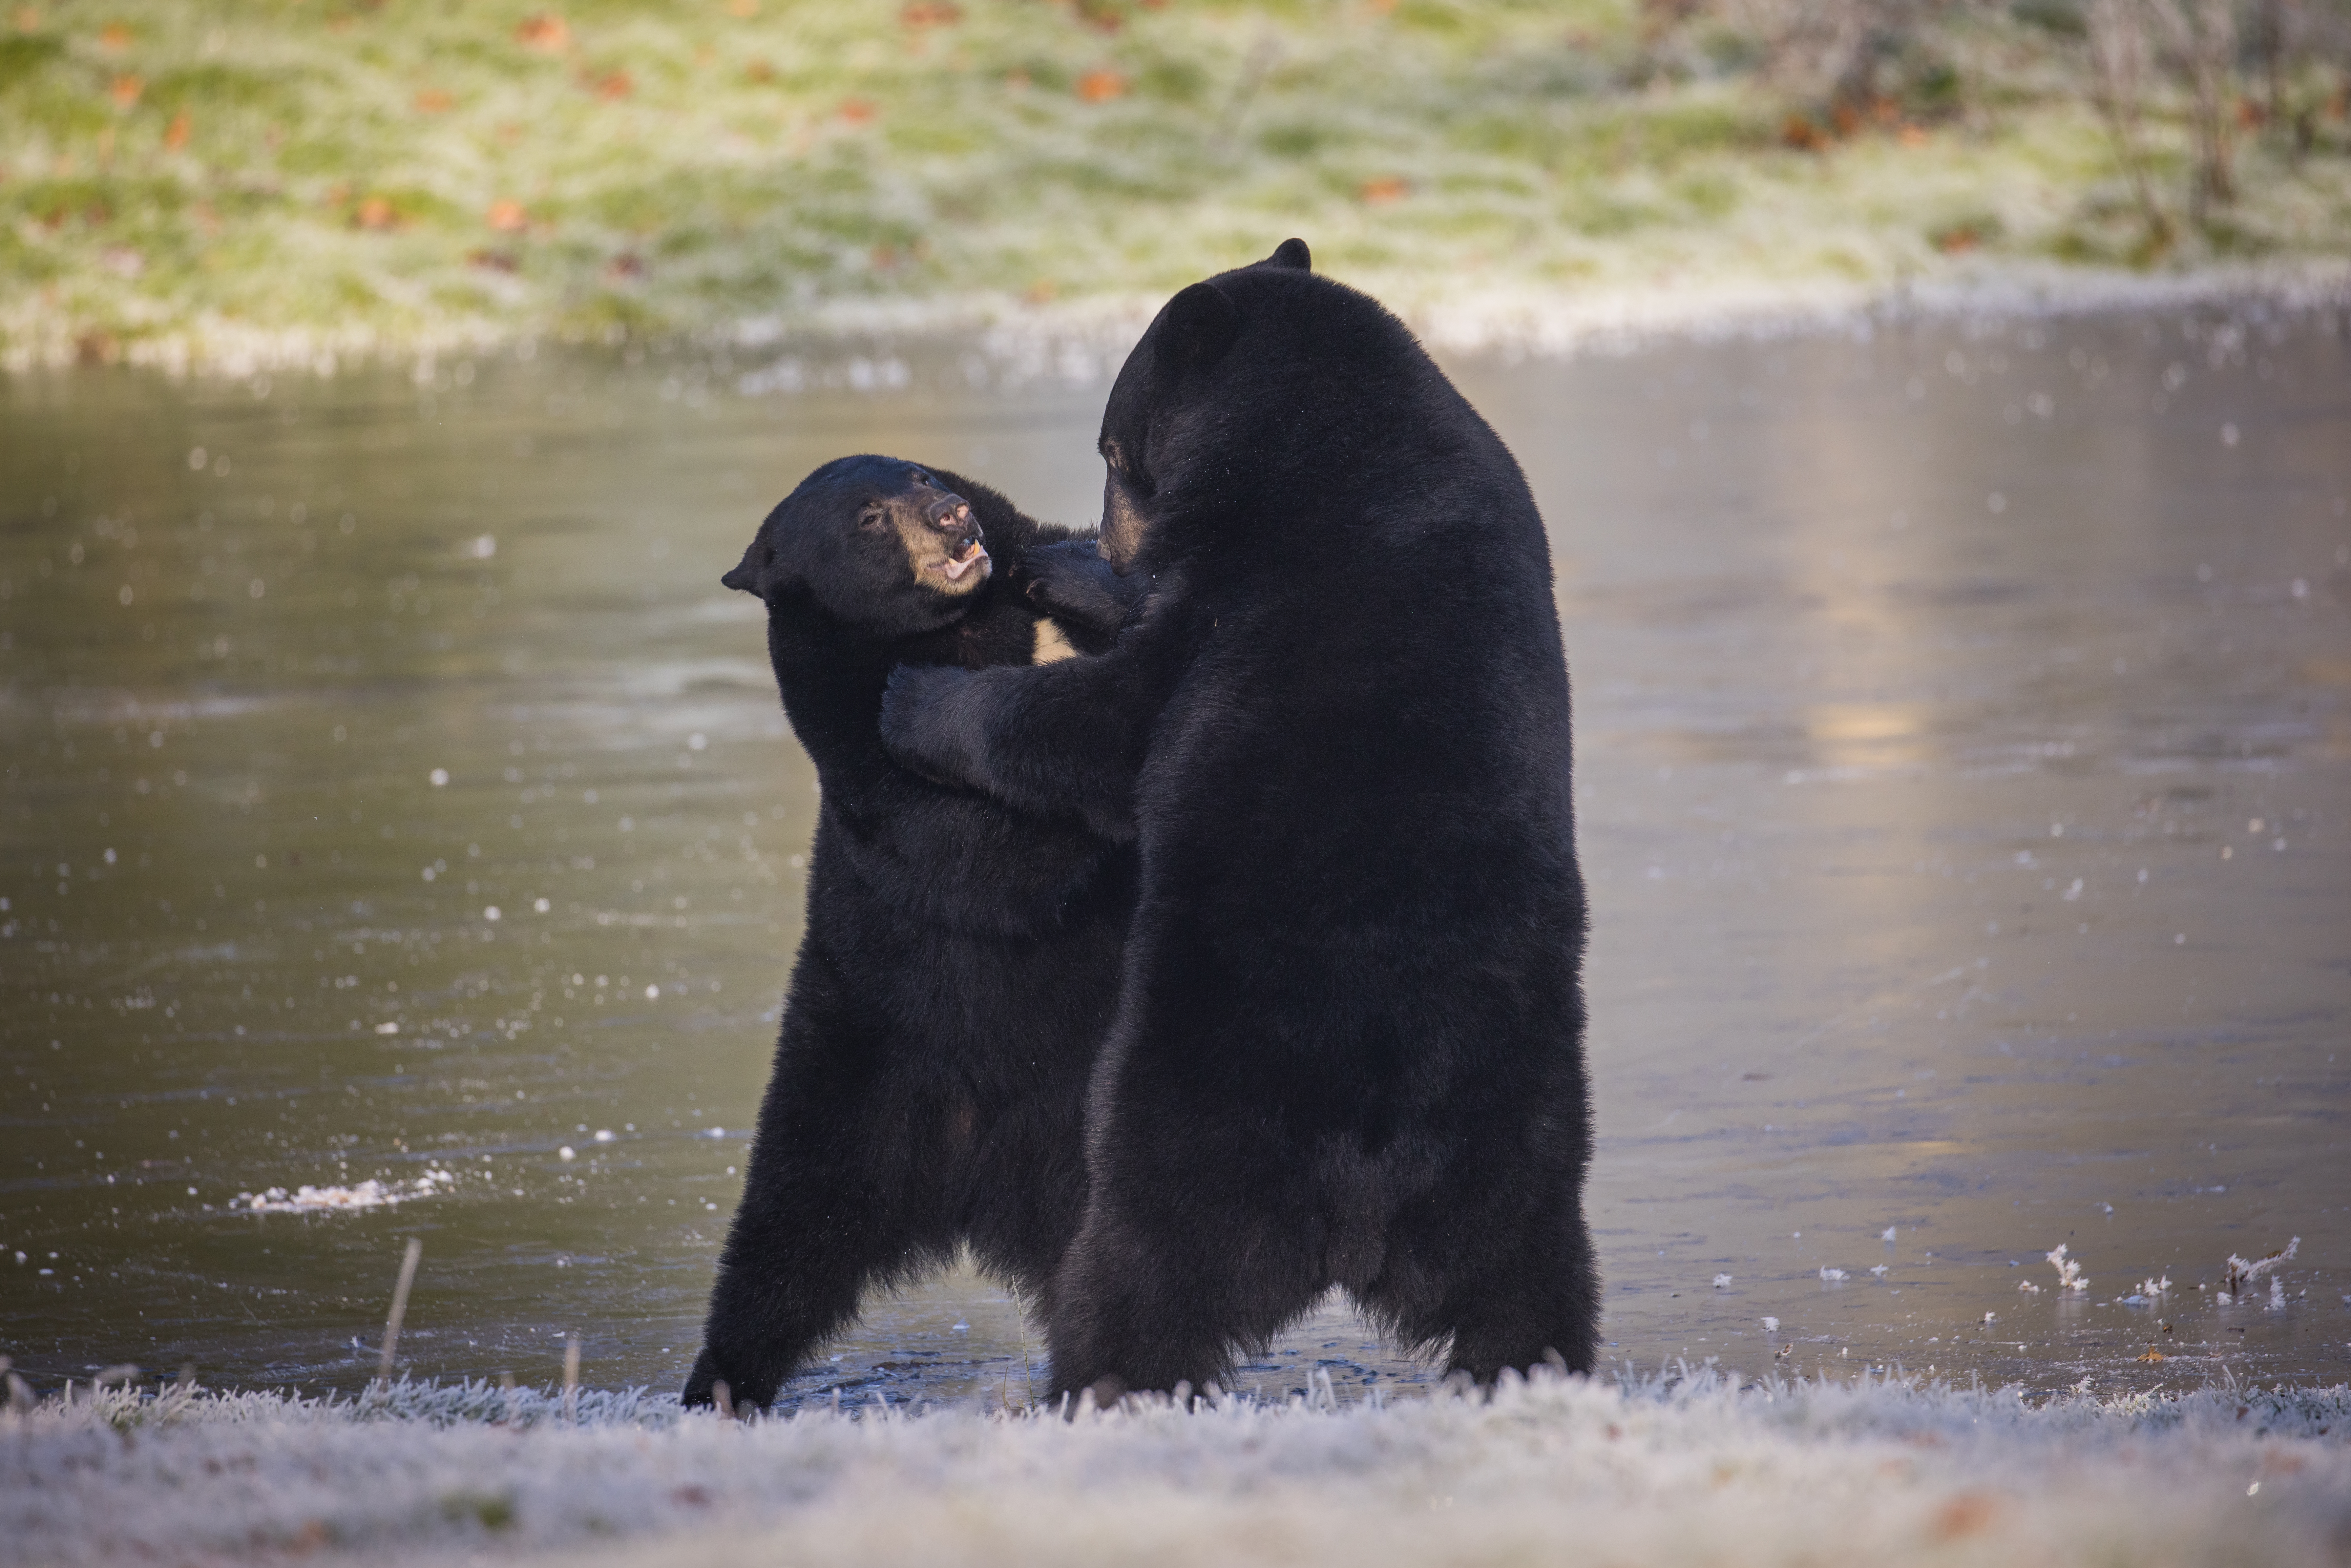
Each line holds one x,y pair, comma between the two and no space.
369,1194
1832,1275
1669,1472
2069,1273
2243,1273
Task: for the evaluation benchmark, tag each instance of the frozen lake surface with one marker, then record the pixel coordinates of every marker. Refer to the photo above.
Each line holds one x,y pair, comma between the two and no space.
393,796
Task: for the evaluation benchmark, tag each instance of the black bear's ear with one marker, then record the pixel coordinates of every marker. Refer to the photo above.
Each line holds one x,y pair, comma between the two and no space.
1292,253
748,576
1197,328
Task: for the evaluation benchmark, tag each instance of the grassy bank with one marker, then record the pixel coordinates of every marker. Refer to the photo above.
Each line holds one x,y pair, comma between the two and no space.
1665,1473
191,183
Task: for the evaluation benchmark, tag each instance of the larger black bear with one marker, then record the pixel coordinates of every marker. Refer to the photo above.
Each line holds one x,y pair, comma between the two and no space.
1348,1046
961,958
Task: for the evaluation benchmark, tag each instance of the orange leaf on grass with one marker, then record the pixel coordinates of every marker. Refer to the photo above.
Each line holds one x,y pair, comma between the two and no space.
1379,193
920,14
857,110
125,90
1801,134
114,37
508,217
610,86
1966,1515
376,213
1101,87
176,134
746,9
544,31
432,101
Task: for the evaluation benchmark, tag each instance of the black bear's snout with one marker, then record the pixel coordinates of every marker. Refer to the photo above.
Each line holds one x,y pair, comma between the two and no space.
952,516
736,578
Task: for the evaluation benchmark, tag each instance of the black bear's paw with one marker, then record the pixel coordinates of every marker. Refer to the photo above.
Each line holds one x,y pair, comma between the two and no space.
1051,576
700,1383
707,1388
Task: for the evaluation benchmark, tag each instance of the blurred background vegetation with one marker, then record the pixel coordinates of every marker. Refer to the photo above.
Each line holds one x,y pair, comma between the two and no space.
185,181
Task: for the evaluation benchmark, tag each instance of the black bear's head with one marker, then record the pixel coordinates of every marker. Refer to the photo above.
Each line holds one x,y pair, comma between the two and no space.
876,542
1234,386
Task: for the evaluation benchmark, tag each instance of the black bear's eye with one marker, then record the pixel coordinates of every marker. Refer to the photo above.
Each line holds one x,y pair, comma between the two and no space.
1124,470
870,518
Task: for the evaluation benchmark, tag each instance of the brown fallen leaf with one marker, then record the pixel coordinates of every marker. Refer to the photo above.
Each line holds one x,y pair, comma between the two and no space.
376,213
508,217
544,31
746,9
857,110
920,14
1101,87
2151,1353
1380,191
1965,1514
176,134
125,90
610,86
114,38
432,101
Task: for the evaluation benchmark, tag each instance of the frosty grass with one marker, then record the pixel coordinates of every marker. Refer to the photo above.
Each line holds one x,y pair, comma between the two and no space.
1669,1470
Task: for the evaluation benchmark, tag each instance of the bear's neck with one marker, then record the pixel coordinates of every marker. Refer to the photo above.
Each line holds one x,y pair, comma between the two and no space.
832,676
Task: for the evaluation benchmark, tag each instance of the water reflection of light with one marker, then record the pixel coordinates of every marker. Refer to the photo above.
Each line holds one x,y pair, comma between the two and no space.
1867,735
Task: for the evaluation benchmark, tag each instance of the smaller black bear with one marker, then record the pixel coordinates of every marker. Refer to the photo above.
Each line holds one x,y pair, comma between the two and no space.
960,963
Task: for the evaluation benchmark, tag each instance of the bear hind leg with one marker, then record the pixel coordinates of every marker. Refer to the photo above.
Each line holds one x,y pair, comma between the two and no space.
1535,1303
1135,1313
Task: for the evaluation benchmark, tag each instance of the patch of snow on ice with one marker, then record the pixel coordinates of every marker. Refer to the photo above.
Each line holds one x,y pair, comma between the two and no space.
369,1194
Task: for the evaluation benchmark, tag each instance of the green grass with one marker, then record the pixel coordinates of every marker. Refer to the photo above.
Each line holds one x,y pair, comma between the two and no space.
176,175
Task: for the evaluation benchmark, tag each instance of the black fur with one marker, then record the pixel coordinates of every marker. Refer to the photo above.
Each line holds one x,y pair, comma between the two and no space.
961,958
1348,1046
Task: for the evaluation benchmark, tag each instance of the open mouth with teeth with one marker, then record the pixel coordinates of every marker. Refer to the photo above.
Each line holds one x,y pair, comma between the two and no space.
958,565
